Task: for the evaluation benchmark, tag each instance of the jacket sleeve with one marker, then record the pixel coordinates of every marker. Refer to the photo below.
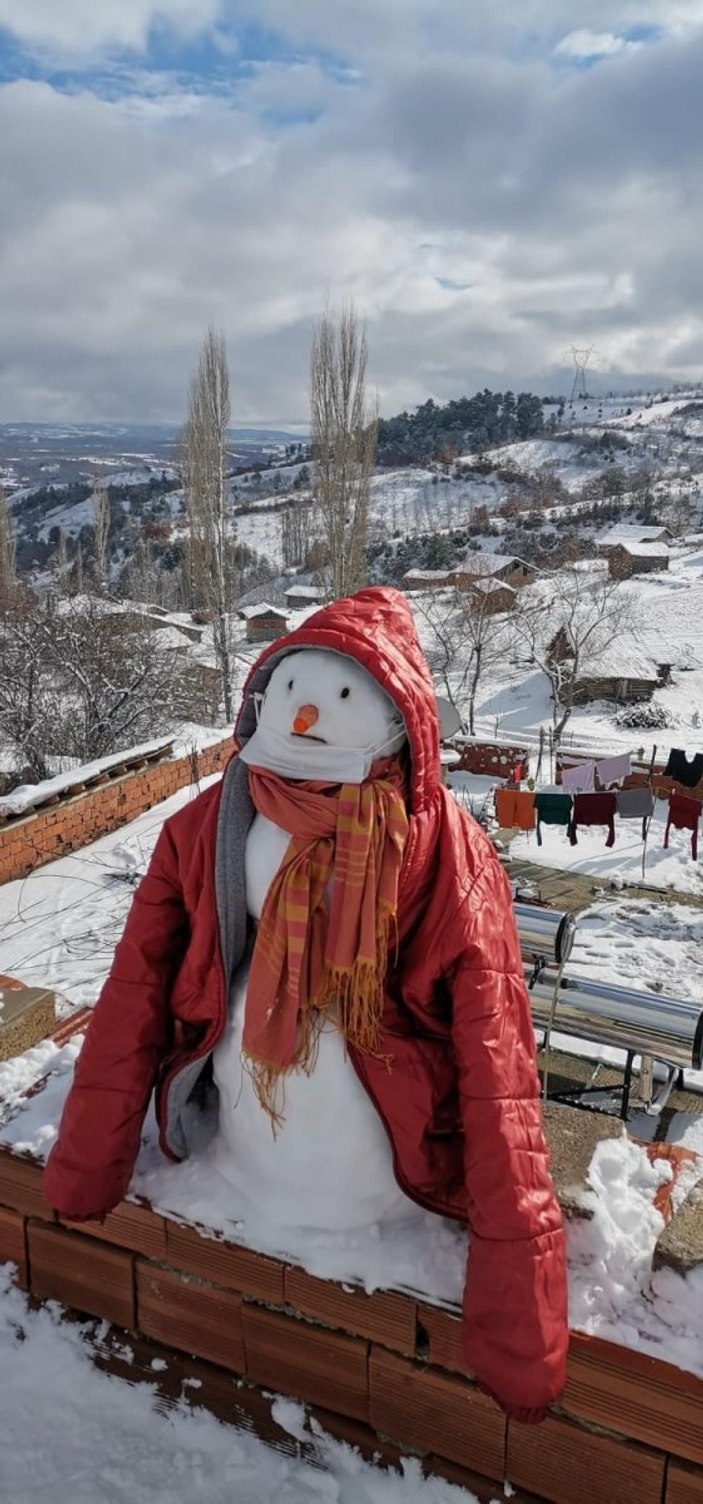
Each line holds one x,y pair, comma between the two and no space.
515,1300
91,1164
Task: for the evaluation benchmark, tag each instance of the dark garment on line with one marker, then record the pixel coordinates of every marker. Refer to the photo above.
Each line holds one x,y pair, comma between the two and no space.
552,809
684,814
635,804
594,809
688,772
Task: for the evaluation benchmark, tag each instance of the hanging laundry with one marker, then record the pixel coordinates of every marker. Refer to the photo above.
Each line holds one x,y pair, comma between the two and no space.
688,773
515,809
594,809
635,804
552,809
684,814
612,770
519,772
579,780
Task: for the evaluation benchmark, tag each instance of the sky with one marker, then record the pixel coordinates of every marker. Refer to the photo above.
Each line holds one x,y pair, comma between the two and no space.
490,182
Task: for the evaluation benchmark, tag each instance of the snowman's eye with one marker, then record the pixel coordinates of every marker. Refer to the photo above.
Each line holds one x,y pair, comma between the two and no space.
344,694
290,685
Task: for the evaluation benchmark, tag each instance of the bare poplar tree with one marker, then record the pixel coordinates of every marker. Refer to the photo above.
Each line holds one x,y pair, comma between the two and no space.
211,550
62,565
343,435
101,529
8,576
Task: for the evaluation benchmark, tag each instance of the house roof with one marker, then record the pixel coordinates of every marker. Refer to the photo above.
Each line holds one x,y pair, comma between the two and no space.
305,592
630,532
645,550
622,658
485,565
251,612
490,586
428,576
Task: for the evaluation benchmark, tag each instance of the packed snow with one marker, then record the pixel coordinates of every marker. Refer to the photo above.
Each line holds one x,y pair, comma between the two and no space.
72,1434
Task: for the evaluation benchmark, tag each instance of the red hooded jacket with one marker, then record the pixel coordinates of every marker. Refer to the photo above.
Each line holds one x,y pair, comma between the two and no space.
460,1101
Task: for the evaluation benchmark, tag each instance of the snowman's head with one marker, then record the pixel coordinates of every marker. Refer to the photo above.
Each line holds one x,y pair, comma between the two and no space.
322,715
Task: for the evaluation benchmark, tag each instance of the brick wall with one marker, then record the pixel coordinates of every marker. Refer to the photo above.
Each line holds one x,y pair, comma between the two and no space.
74,822
491,759
386,1370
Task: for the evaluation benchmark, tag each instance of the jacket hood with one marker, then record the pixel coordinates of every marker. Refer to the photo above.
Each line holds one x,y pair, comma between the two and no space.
376,627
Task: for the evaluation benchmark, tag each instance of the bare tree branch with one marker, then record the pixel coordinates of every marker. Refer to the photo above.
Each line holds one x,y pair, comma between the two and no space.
343,436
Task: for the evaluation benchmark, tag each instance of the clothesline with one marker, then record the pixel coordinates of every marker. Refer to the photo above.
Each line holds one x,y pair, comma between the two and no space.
527,809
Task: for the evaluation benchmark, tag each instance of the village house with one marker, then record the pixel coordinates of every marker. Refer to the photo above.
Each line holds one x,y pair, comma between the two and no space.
623,533
298,597
503,568
264,623
494,596
623,670
484,566
626,559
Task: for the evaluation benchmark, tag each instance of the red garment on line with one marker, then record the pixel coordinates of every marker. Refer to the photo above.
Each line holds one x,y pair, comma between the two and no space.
594,809
684,814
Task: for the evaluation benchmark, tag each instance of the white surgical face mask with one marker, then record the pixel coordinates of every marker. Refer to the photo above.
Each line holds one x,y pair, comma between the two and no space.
289,758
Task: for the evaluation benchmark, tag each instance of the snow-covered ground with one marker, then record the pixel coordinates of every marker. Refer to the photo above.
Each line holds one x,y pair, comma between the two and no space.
664,868
71,1434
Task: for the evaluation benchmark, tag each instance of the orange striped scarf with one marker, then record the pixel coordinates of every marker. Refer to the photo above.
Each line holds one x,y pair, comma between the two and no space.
307,958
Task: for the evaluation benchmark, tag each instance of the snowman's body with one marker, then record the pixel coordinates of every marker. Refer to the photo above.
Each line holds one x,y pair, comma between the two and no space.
329,1165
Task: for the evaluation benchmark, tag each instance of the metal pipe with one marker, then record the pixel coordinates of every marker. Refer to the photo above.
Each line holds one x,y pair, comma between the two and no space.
546,934
646,1023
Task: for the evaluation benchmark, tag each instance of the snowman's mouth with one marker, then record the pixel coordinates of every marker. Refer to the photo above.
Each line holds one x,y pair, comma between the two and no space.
307,736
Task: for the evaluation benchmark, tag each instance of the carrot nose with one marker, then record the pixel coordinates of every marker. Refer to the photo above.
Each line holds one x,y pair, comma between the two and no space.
306,717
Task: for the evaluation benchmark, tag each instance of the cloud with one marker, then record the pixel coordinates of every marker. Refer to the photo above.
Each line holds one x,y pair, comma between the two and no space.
84,27
484,207
582,45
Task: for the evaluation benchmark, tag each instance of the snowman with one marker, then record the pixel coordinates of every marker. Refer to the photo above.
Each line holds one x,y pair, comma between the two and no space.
322,719
321,966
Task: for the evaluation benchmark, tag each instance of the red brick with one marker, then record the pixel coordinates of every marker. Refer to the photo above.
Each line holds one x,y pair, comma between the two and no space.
635,1395
307,1362
485,1490
13,1249
443,1333
684,1484
384,1317
131,1226
565,1464
82,1273
224,1263
193,1317
431,1412
20,1186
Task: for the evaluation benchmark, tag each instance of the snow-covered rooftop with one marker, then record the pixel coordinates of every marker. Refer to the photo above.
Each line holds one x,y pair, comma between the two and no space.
263,609
488,564
623,657
305,592
490,586
630,532
645,550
